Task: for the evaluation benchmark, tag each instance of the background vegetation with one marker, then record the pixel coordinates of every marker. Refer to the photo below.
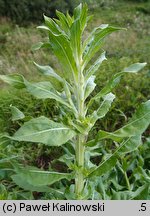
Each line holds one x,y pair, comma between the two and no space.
17,35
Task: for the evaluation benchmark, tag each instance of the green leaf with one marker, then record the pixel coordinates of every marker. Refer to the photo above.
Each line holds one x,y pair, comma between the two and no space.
104,167
67,89
44,90
131,145
105,106
40,45
63,22
95,66
61,47
37,46
121,195
67,159
47,70
16,113
43,28
80,13
22,183
43,130
134,68
75,40
140,194
136,126
52,26
69,19
41,90
62,50
111,161
38,178
15,80
94,42
90,86
103,109
76,30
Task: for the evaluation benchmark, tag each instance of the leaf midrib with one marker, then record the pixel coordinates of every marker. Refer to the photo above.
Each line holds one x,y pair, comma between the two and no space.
53,95
114,134
40,132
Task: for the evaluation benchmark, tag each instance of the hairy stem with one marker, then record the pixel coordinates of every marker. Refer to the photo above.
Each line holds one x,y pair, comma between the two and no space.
80,140
79,180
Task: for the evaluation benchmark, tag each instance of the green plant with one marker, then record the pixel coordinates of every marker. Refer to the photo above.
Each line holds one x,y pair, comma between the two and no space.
76,83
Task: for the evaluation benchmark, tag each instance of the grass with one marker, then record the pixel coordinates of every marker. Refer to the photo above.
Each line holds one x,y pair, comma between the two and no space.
123,48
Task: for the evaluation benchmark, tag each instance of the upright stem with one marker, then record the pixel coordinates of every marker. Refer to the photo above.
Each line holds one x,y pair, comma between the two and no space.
80,139
79,180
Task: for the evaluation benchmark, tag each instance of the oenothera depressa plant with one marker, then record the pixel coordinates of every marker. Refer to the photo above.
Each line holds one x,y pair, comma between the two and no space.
77,81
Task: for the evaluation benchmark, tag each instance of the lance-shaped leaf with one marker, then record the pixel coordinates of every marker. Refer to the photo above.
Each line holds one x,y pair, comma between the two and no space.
80,13
76,30
61,48
136,126
134,68
16,80
75,40
104,167
103,109
52,26
43,28
43,130
22,183
60,45
90,86
95,66
16,113
128,145
95,40
40,45
36,177
70,19
140,194
105,106
43,90
67,89
63,22
131,145
49,71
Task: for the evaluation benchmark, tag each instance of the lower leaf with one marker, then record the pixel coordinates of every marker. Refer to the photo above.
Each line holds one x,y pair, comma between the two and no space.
39,178
43,130
22,183
109,163
136,126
